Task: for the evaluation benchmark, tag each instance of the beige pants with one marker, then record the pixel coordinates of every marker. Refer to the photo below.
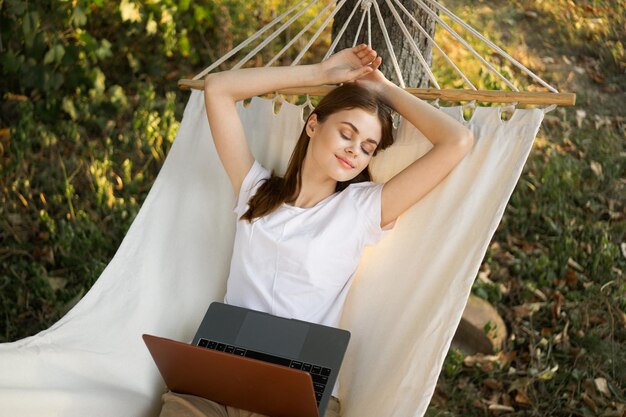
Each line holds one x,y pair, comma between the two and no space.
182,405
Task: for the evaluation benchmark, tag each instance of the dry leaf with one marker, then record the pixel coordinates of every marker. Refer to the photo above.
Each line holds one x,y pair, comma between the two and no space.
526,310
571,278
558,303
572,263
611,88
596,167
548,374
596,75
552,121
590,403
57,283
522,398
493,384
602,386
580,116
480,359
499,407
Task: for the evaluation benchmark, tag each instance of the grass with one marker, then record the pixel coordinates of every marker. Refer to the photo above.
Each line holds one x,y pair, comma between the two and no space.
555,268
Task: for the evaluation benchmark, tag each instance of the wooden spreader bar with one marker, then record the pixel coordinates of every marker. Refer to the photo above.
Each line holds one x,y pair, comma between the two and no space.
482,96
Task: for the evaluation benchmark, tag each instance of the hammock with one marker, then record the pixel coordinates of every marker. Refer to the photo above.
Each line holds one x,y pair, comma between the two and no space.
403,309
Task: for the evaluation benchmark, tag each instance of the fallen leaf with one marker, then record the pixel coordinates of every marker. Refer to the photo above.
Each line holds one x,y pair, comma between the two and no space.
552,121
499,407
558,303
580,116
563,337
520,384
493,384
611,88
57,283
571,278
480,359
548,374
573,264
596,75
596,167
526,310
590,403
522,398
602,386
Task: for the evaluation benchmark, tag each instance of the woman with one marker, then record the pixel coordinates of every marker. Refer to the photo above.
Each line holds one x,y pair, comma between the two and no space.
299,238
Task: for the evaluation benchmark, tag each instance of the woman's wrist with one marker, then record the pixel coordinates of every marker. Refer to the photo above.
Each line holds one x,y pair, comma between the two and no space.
386,89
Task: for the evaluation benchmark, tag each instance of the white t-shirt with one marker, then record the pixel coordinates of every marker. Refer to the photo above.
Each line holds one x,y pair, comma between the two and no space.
299,262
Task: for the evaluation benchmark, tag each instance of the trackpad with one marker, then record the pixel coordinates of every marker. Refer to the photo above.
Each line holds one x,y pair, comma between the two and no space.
260,332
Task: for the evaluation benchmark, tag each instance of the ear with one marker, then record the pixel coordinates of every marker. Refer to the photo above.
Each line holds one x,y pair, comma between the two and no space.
311,124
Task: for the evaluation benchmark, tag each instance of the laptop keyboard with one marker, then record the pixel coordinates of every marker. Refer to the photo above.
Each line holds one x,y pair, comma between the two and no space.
318,373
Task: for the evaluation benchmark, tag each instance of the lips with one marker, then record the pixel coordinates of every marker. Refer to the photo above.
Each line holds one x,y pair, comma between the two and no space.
345,162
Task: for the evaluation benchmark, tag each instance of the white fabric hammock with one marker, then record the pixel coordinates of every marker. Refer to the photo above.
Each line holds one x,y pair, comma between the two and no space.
403,309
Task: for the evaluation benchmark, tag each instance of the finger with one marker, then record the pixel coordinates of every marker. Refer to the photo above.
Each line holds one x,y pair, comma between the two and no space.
377,62
358,73
367,53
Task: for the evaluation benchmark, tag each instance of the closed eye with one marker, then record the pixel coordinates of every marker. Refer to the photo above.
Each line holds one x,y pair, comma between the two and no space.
365,151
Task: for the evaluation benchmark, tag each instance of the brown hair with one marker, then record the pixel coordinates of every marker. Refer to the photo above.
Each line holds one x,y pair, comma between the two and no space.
278,190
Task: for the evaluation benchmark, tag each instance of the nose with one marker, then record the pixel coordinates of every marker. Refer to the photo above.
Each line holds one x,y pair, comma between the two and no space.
352,149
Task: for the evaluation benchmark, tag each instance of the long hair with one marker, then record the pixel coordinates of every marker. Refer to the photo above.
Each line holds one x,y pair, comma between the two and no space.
277,190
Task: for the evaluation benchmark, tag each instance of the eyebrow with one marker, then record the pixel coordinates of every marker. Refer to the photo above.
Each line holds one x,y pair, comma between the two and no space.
357,131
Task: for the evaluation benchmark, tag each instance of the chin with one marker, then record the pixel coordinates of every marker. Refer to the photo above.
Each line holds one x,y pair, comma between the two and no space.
345,177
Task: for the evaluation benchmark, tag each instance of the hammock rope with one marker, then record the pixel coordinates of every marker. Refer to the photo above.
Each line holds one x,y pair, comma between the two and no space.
465,44
306,28
331,50
436,45
493,46
412,44
472,94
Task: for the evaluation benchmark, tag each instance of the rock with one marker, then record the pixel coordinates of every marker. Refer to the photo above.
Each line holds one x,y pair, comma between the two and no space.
481,330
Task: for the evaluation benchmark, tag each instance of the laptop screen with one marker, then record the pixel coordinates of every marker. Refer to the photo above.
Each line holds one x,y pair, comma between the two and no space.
260,332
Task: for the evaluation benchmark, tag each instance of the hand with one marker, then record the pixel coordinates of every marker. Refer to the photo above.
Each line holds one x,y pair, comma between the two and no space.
349,64
360,65
374,80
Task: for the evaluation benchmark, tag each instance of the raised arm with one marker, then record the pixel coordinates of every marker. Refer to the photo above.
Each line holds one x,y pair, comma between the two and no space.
451,142
222,90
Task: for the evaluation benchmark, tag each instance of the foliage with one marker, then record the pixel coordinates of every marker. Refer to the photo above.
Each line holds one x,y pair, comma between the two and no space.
89,110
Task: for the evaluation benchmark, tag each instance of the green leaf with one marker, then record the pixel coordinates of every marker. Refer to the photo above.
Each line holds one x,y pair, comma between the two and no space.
183,5
78,17
183,44
54,55
129,11
69,108
11,63
105,50
16,7
30,24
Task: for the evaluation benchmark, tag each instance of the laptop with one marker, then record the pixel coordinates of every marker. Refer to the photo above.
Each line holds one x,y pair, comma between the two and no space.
255,361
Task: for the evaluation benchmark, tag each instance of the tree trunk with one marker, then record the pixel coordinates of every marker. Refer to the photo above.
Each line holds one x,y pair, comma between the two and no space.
411,69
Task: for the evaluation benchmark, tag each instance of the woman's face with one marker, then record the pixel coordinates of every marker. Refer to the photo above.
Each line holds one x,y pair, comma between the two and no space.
342,146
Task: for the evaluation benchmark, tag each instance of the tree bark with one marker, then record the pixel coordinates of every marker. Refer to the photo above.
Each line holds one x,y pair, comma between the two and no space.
412,71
